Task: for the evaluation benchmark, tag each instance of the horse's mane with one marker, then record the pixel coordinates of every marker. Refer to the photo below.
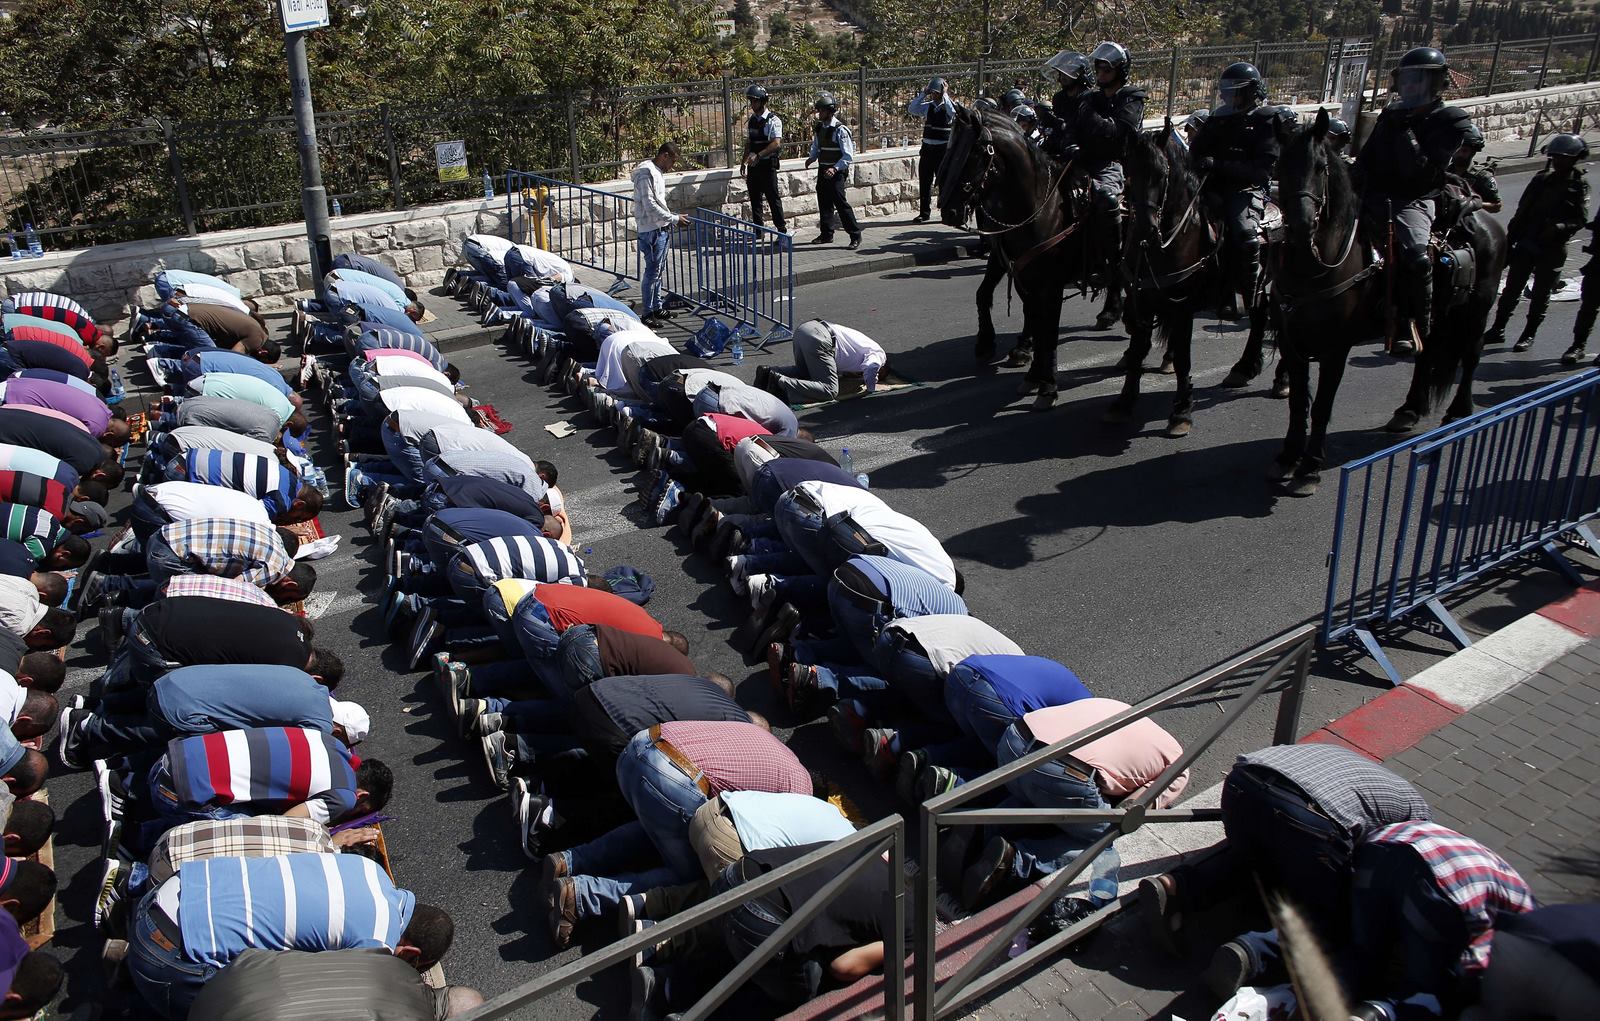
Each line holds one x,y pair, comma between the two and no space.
1000,123
1151,146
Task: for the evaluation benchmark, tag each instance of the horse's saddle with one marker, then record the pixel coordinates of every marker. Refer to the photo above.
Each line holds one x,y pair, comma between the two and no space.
1272,223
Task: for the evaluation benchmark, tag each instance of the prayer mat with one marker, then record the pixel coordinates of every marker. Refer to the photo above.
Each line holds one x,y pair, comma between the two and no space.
855,386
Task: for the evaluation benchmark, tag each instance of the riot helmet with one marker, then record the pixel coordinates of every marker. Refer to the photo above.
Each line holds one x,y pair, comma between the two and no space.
1420,79
1114,56
1240,88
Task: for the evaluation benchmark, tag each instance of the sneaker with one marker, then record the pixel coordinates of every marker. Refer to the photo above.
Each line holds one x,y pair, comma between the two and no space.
783,626
497,759
1229,969
701,532
458,687
89,587
667,509
111,841
554,867
109,895
651,485
111,630
423,635
472,713
738,578
354,486
648,444
563,912
67,736
383,521
488,723
695,507
877,752
799,681
1158,897
725,538
985,875
934,781
399,603
849,727
763,592
527,807
908,770
372,502
647,994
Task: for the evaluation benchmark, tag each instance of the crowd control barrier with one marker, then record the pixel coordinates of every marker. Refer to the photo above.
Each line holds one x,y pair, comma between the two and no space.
1427,516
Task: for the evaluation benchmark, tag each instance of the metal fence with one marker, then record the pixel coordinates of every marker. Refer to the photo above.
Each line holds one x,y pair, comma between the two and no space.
1283,662
79,188
1426,516
880,845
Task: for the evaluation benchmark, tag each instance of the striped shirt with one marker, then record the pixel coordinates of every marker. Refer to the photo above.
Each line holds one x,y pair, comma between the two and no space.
738,757
263,836
211,586
291,902
11,320
538,559
1474,878
912,591
57,308
38,348
232,548
33,491
86,408
36,462
34,527
374,337
264,478
1354,792
268,769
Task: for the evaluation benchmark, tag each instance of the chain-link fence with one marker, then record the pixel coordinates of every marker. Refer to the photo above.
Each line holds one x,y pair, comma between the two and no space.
83,188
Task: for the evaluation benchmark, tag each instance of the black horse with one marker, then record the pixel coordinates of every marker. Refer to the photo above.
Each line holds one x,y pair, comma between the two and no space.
1016,193
1170,265
1331,294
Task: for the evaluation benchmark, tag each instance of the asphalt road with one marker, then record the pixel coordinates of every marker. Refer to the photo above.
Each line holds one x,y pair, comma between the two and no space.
1134,558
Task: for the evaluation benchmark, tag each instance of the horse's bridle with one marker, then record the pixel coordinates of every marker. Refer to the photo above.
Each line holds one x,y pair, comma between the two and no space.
976,186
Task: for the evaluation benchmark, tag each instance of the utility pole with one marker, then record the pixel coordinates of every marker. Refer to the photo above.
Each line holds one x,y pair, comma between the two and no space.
300,17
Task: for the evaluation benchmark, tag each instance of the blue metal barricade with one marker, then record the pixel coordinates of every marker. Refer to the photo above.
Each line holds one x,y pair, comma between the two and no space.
1428,515
717,265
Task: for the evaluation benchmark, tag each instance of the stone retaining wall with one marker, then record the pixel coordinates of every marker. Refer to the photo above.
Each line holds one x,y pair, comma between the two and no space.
272,264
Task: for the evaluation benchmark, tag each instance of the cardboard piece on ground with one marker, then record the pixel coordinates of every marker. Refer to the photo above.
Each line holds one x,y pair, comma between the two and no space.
560,430
42,929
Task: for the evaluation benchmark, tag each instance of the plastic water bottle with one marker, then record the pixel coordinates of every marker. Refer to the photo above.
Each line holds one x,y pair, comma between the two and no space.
488,185
16,251
737,351
35,249
847,462
338,210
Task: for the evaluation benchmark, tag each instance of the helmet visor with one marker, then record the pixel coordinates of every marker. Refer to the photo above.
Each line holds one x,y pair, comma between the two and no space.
1416,87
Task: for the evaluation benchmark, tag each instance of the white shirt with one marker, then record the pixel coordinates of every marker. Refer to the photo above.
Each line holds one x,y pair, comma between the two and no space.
906,539
12,695
695,380
650,210
948,638
20,608
186,500
413,424
547,265
206,294
853,351
417,398
392,366
494,244
640,344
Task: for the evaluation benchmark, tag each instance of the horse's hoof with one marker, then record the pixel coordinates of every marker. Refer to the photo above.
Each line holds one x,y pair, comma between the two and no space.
1280,470
1304,485
1178,428
1404,421
1239,377
1280,390
1046,399
1127,364
1453,416
1120,413
1167,368
1105,322
984,352
1028,386
1018,359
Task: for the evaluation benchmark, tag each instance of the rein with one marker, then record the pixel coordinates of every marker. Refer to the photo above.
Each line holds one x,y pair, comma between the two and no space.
978,185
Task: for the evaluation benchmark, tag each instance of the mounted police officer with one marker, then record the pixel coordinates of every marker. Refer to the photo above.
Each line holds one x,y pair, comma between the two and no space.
1236,150
1479,179
1553,208
938,115
1339,138
1402,167
762,144
1109,118
1028,121
1012,98
833,150
1059,124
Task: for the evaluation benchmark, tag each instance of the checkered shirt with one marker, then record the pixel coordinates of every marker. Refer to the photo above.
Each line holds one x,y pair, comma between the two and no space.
738,757
211,586
265,836
1354,792
231,548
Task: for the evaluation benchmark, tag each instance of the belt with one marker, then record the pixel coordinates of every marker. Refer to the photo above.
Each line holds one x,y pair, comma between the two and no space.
1075,768
872,604
166,926
680,760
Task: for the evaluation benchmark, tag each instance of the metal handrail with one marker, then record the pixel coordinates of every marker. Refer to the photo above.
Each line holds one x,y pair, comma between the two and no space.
864,848
979,975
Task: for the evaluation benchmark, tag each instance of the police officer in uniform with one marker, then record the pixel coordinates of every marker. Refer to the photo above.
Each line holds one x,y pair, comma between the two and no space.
1339,138
1012,98
1108,120
938,120
1589,306
832,149
1028,120
1479,179
1553,208
763,140
1402,167
1060,121
1235,150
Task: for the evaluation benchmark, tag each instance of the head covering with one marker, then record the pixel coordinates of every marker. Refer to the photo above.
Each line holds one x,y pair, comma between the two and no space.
354,719
91,512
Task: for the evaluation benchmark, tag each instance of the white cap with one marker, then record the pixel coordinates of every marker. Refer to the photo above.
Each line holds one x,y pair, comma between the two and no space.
354,719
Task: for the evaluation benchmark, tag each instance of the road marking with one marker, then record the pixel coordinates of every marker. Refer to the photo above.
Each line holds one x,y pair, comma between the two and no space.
320,605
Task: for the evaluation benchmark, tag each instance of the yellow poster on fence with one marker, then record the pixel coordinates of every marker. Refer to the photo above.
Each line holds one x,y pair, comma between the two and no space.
452,160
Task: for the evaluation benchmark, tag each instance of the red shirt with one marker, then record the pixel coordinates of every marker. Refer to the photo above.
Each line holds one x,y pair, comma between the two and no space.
738,757
570,605
733,428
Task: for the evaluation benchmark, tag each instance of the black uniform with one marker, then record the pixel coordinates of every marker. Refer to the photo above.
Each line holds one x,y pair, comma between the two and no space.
1105,127
1402,168
831,195
1554,207
1060,124
1243,150
1589,307
1482,184
762,177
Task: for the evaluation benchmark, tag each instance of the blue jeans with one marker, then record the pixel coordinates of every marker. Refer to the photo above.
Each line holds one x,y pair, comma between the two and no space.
579,655
161,563
537,638
653,250
972,703
855,623
1040,853
168,983
801,529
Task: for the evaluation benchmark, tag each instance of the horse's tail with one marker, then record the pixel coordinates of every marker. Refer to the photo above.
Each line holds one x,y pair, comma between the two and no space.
1445,357
1316,986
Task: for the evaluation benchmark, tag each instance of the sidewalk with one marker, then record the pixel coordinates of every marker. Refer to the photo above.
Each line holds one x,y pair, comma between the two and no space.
1503,738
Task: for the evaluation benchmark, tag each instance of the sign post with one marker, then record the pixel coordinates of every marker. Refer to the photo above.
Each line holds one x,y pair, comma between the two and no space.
300,17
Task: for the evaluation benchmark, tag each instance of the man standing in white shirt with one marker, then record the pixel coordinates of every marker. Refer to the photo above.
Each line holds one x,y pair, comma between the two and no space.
653,222
823,352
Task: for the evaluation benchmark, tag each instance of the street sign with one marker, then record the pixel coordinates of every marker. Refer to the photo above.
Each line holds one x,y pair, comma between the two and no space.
303,15
452,160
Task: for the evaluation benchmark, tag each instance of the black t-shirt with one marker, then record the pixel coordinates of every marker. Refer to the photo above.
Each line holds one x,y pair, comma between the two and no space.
624,652
57,438
474,491
15,560
789,446
635,703
859,915
195,629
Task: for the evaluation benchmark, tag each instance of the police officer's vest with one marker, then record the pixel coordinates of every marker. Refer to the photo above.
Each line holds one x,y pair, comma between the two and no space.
829,148
937,125
1249,137
756,131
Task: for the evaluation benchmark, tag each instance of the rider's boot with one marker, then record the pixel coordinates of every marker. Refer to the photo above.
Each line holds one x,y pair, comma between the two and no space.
1111,245
1538,304
1580,334
1419,292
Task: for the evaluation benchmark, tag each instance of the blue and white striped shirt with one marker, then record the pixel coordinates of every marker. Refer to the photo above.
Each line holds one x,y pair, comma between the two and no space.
912,591
516,556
